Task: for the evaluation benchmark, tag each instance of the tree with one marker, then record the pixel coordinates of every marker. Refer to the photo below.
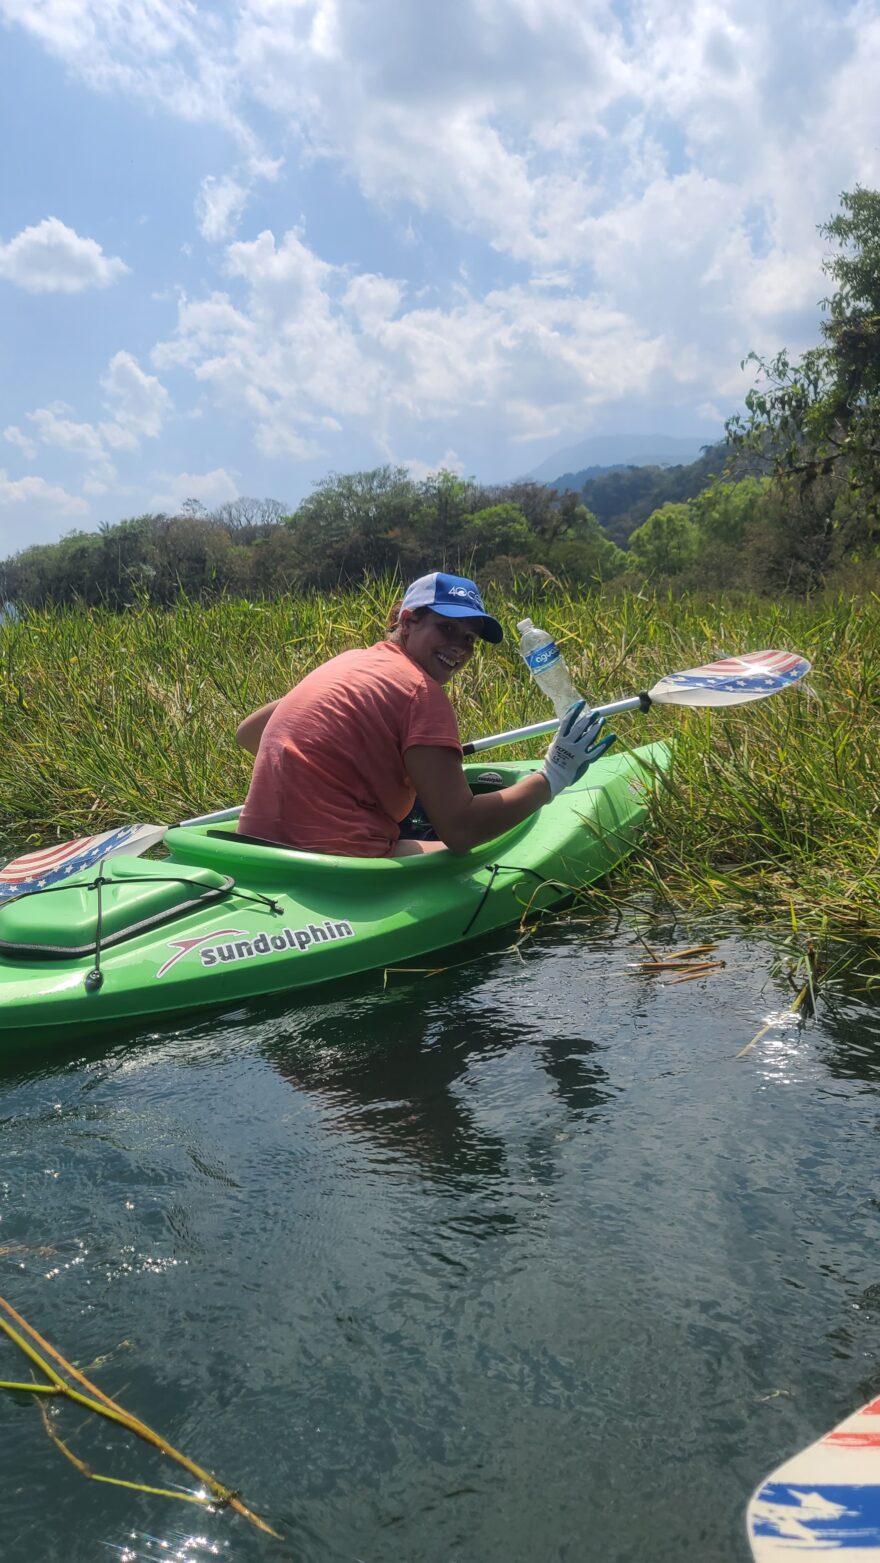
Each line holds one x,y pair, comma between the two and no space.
354,522
722,512
444,500
796,539
270,566
248,518
812,414
583,551
191,553
497,530
667,543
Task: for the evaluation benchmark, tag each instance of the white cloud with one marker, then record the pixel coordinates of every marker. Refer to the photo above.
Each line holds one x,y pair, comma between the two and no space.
16,436
786,281
100,481
373,300
219,206
51,258
518,119
221,201
491,115
30,490
209,488
138,403
274,437
306,345
419,470
449,108
279,276
283,359
59,432
56,429
170,52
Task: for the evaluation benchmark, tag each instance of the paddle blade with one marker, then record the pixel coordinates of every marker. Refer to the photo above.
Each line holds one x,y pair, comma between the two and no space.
825,1499
733,680
52,865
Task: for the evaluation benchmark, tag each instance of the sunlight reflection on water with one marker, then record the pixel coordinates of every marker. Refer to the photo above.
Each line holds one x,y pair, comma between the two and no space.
141,1547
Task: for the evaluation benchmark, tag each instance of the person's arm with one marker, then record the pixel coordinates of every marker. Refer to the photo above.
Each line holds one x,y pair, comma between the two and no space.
250,731
460,819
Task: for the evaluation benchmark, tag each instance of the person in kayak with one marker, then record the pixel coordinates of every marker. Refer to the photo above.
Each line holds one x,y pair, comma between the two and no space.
341,758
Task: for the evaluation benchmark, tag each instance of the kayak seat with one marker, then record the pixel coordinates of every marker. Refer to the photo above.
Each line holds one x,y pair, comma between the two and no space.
61,922
239,835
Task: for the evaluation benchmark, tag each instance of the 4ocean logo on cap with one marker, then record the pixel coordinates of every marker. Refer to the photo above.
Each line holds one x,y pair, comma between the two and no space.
455,596
241,946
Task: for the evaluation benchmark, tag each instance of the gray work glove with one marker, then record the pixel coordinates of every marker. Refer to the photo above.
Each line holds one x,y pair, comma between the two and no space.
576,745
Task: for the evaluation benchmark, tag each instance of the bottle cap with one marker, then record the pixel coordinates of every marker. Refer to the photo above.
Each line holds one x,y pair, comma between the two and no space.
525,624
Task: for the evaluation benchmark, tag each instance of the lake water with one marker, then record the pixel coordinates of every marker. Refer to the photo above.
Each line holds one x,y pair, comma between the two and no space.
517,1262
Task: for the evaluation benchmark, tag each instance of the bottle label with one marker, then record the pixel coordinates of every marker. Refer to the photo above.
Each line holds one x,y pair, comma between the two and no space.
543,657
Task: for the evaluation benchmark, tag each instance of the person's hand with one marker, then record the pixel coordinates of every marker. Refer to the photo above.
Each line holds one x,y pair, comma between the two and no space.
576,745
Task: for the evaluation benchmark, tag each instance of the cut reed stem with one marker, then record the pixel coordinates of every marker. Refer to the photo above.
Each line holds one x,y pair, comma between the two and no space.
102,1405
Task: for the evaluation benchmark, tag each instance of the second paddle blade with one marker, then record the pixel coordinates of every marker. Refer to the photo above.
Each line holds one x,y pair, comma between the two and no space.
825,1500
54,864
732,681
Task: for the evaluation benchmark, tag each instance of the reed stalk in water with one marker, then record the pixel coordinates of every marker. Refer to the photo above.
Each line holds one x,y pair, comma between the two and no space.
95,1400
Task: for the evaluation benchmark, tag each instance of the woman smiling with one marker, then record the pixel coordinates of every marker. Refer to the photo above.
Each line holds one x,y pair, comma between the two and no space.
340,759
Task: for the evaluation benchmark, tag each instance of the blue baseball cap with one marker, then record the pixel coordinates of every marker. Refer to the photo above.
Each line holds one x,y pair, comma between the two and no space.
455,597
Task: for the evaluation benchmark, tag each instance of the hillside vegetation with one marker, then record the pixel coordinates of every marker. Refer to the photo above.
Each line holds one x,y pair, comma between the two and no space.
766,533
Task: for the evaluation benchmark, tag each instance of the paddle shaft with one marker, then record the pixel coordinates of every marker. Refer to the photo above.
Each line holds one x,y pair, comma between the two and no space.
633,703
216,817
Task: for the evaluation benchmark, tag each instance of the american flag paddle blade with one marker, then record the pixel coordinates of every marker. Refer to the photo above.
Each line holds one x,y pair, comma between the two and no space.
52,865
824,1500
733,681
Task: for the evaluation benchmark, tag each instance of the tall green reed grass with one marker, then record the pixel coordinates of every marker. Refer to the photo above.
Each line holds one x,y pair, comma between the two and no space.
773,807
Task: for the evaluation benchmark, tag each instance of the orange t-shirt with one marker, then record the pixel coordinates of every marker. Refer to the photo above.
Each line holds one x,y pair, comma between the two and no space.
329,774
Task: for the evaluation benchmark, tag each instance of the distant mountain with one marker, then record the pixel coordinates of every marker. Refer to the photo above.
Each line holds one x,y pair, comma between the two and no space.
621,450
575,481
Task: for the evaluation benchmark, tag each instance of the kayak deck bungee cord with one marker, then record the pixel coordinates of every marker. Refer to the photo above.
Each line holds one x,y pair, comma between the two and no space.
222,918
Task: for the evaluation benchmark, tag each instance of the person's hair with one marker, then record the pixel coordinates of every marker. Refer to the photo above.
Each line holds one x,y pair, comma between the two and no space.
392,625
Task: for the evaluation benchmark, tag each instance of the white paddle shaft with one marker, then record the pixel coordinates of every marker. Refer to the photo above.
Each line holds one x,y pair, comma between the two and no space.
633,703
216,817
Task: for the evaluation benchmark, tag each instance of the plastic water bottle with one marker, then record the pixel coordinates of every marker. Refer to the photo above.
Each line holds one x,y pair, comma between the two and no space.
547,666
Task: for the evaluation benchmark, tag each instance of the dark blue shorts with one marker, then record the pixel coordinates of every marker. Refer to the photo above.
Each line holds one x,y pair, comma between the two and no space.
416,826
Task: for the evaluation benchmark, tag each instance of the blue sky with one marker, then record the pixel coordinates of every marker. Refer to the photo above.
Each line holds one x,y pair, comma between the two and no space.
245,245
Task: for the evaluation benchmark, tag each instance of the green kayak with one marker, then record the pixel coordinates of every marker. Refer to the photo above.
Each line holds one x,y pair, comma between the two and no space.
221,919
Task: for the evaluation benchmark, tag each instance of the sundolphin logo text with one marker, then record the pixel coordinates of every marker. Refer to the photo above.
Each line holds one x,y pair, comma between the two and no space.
297,939
543,657
246,946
